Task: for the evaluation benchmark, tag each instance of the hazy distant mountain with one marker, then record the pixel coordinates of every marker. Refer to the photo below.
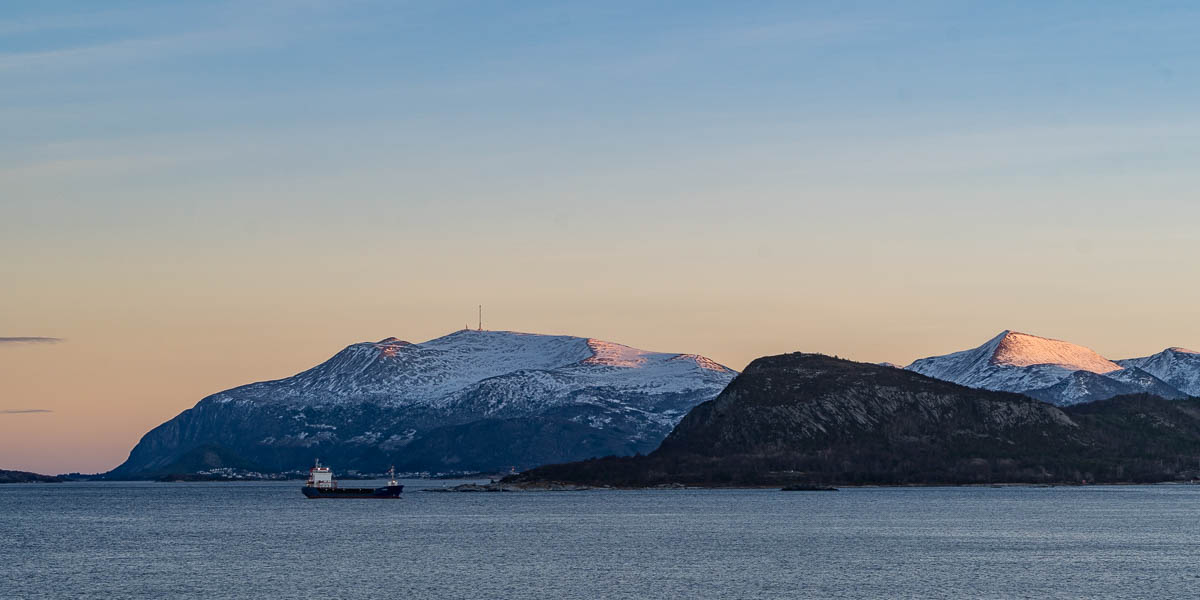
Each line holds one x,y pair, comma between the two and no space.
1054,371
471,400
1179,367
806,418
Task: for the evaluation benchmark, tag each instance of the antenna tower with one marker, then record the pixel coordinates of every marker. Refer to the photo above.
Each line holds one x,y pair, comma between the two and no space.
480,317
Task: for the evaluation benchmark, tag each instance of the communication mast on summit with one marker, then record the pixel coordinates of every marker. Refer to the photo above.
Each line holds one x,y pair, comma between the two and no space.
480,318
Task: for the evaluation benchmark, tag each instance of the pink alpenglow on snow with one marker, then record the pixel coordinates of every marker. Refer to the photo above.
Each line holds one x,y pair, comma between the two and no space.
1023,350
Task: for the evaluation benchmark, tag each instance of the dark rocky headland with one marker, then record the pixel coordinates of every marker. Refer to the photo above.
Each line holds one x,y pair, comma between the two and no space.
814,419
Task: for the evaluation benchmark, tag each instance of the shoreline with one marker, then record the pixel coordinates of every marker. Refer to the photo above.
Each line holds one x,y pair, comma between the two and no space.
557,486
562,486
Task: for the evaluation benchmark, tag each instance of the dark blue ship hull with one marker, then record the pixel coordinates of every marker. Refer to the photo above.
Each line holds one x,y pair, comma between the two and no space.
390,491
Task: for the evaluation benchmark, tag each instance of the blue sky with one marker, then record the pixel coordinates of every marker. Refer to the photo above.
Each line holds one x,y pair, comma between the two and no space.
476,105
112,70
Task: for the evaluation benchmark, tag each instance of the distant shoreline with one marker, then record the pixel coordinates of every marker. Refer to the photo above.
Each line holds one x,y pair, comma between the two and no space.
498,484
27,477
551,486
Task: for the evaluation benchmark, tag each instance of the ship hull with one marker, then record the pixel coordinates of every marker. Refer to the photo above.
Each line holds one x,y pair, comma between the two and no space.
390,491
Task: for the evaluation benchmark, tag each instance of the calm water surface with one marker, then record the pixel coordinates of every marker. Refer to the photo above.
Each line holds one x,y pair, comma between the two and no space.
261,540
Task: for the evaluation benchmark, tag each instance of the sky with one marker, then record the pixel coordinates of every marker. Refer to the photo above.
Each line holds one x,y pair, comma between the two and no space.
199,195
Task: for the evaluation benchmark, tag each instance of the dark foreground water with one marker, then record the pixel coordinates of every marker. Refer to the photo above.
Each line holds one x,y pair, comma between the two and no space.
264,540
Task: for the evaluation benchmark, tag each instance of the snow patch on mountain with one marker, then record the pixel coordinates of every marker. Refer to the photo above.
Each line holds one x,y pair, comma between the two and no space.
616,355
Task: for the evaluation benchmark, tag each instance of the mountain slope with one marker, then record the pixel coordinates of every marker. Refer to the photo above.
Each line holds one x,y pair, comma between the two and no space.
1051,370
1084,386
812,418
1179,367
471,400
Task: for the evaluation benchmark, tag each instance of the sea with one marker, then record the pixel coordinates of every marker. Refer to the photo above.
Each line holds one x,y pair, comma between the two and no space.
117,540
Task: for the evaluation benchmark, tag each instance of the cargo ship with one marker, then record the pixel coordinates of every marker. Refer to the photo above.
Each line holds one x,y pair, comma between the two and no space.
322,485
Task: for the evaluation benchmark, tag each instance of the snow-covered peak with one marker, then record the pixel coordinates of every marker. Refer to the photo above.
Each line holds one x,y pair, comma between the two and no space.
1062,372
1014,362
1017,349
1178,367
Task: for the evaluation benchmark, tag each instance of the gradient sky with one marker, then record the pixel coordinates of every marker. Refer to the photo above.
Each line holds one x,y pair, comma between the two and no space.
199,195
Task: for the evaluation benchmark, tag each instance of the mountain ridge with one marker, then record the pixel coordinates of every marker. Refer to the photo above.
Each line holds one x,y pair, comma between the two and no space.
445,404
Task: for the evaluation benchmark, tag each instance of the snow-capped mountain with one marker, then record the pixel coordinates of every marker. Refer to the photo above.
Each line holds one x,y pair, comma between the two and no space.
470,400
1014,362
1051,370
1179,367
